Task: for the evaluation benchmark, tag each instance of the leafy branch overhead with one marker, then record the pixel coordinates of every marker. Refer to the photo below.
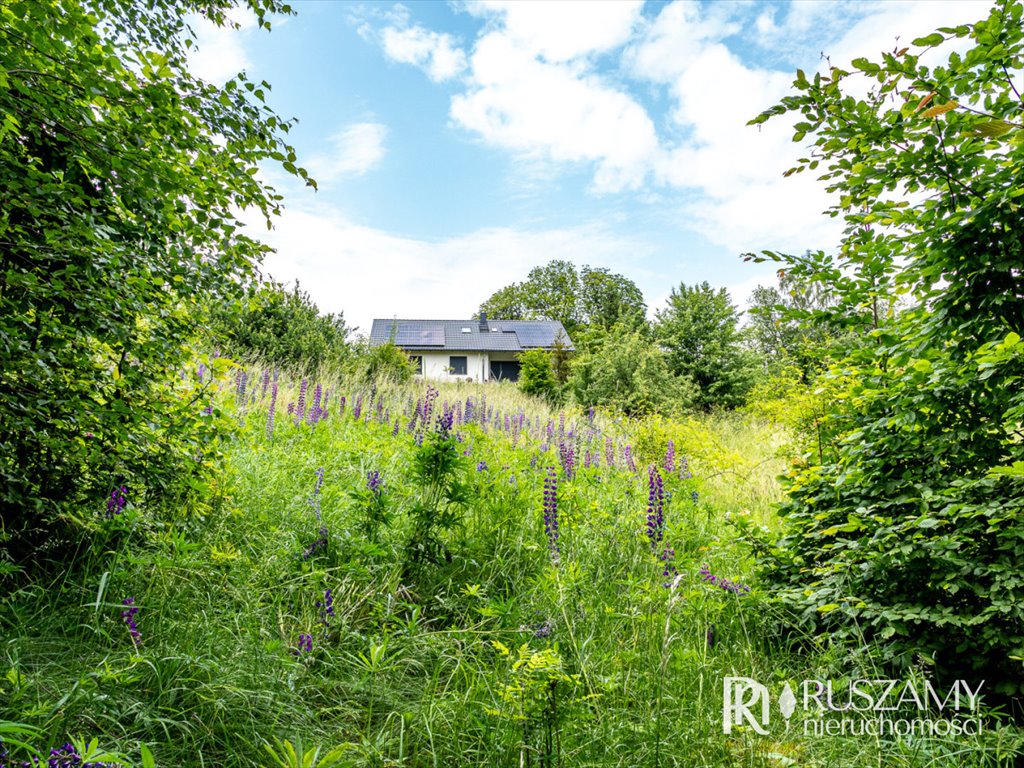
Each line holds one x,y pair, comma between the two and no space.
124,177
903,530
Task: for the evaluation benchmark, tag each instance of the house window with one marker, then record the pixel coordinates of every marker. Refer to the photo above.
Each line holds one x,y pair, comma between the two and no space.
457,363
417,360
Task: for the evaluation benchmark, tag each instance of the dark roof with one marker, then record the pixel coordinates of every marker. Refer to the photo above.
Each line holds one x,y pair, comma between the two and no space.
502,336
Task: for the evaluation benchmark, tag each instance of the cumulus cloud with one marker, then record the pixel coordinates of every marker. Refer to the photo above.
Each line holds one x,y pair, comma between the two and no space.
562,30
518,102
354,150
435,53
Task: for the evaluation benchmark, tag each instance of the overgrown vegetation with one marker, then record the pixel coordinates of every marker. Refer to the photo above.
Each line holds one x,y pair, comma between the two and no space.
907,533
309,560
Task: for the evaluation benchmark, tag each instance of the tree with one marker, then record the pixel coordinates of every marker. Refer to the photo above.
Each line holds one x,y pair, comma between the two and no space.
281,327
910,535
794,324
536,374
698,331
629,373
609,300
123,176
556,291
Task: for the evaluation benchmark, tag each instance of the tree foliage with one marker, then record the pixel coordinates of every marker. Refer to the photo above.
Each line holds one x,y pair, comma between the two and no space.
628,372
537,374
698,329
557,291
912,531
280,327
122,178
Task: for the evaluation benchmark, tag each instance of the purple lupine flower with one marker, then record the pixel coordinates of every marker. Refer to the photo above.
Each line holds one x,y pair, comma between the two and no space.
481,467
655,507
373,482
300,411
628,455
590,415
202,371
326,607
551,511
241,380
291,408
316,546
305,644
270,412
342,406
567,454
694,497
551,431
670,457
65,756
587,459
266,382
208,410
561,425
609,452
684,469
117,502
128,617
710,637
444,425
483,409
721,582
544,630
314,412
394,431
668,570
357,409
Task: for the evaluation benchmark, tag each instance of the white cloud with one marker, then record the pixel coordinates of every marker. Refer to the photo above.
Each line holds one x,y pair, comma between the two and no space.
435,53
550,111
355,150
563,30
368,273
218,53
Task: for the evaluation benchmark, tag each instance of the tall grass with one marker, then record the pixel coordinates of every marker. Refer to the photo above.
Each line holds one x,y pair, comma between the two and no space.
502,654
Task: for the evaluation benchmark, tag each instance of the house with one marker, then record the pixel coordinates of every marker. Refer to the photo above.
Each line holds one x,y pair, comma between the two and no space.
480,350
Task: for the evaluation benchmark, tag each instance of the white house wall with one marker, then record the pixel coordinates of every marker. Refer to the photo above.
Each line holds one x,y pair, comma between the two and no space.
436,364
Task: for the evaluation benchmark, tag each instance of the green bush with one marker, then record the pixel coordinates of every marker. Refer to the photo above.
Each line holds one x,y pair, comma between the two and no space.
628,373
123,176
909,535
537,374
280,327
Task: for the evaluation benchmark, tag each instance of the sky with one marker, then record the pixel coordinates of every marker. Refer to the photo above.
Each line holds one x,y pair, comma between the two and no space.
458,144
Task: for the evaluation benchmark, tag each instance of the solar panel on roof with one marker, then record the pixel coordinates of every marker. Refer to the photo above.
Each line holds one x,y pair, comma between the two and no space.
419,336
537,336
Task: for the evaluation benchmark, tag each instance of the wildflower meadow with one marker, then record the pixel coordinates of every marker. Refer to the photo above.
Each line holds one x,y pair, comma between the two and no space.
430,579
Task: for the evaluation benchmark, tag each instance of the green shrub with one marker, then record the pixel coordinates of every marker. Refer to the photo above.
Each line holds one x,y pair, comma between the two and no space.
537,375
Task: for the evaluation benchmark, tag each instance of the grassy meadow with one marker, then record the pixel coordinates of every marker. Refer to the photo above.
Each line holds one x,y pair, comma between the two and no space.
332,594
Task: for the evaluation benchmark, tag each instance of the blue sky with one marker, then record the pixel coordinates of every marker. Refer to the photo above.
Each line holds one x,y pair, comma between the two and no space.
459,144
